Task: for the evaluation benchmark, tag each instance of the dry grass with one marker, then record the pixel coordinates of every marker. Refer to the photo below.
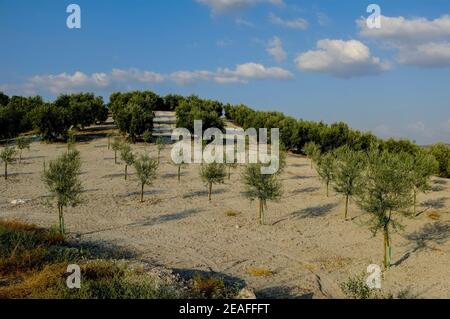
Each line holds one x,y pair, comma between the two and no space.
434,215
260,272
232,213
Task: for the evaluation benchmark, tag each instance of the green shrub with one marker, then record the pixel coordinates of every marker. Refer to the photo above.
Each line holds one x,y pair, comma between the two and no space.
441,153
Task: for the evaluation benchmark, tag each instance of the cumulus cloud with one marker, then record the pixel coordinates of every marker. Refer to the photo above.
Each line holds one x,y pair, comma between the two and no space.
298,23
129,78
418,41
341,58
243,73
223,6
275,49
400,29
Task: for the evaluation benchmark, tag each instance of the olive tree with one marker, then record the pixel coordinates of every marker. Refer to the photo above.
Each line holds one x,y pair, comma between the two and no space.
325,169
62,180
312,150
260,186
180,163
116,146
146,171
213,173
71,140
161,146
231,160
7,157
126,155
348,168
386,195
22,143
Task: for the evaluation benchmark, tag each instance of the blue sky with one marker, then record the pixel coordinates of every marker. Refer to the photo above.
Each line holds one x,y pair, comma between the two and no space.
315,60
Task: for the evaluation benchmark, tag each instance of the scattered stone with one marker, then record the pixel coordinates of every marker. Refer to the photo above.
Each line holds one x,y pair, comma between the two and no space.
246,293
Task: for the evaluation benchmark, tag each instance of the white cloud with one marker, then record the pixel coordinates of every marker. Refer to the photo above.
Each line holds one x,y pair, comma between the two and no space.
341,58
244,23
243,73
418,41
132,78
298,23
323,19
426,55
400,29
275,49
223,6
222,43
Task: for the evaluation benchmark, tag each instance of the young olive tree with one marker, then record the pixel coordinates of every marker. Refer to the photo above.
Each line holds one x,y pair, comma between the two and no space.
348,169
312,150
62,180
180,164
213,173
22,143
116,146
7,157
146,171
109,136
147,137
71,140
262,187
161,146
422,166
325,169
231,160
126,155
386,195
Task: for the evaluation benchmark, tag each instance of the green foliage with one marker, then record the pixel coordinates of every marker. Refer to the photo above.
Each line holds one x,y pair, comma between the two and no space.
348,168
441,153
7,157
386,194
63,183
146,169
422,166
213,173
325,168
179,163
261,186
116,145
193,108
133,112
356,288
50,122
147,136
312,150
126,154
160,146
22,143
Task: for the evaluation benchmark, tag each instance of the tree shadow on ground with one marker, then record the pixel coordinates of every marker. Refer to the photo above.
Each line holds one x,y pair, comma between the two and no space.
299,165
440,182
433,233
435,203
104,250
169,218
173,175
313,212
118,175
437,188
306,190
204,193
282,292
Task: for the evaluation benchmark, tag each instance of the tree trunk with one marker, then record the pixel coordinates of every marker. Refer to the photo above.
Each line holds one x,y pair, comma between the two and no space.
61,221
387,249
346,206
229,172
115,157
6,170
179,174
142,193
20,157
261,212
159,156
210,191
126,172
328,189
109,143
415,201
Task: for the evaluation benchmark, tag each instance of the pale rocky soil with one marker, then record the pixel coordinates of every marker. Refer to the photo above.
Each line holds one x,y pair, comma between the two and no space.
308,245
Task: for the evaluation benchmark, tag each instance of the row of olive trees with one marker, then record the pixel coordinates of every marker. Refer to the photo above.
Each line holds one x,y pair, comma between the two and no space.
382,183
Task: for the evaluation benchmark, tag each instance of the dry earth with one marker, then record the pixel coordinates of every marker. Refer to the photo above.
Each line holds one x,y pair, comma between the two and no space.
308,246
